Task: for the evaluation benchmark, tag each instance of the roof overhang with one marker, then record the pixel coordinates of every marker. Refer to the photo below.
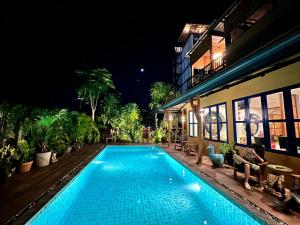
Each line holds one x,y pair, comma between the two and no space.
264,57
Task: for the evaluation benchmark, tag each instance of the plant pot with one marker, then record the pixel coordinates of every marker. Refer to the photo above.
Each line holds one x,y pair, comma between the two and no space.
69,149
43,159
25,167
229,158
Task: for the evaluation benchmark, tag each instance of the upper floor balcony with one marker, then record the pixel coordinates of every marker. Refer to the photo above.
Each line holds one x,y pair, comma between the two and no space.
202,74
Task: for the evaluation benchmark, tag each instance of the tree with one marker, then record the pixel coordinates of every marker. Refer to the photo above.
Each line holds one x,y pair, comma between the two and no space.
96,83
109,108
128,123
160,94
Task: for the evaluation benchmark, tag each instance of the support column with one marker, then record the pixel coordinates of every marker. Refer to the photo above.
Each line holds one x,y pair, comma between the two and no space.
200,132
196,110
169,127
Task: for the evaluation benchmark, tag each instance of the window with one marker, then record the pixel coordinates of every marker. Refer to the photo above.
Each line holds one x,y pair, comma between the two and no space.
215,123
206,123
295,95
256,120
277,122
271,119
193,128
240,122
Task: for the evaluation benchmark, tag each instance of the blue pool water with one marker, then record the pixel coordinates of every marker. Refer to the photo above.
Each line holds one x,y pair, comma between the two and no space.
139,185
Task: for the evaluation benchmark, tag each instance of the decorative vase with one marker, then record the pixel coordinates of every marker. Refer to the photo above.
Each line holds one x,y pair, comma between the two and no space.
43,159
216,159
25,167
53,157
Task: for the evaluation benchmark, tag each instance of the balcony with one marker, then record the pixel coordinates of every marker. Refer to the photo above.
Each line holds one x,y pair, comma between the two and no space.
200,75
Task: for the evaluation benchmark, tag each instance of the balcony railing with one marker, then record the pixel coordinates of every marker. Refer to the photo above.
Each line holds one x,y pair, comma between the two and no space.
203,74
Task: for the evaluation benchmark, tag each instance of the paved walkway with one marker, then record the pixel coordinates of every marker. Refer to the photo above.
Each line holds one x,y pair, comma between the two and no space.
225,177
20,190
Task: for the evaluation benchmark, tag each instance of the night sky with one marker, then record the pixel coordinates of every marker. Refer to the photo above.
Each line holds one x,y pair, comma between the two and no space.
42,44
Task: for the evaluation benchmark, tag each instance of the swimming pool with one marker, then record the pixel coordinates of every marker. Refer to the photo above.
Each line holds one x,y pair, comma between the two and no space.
139,185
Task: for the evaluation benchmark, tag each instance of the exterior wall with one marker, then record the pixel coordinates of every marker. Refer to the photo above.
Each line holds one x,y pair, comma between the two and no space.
280,78
185,62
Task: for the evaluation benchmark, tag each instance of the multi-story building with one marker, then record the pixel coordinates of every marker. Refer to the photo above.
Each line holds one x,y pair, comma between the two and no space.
187,39
245,73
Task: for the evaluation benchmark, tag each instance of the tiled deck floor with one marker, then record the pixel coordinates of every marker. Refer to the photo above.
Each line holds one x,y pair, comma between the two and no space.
225,176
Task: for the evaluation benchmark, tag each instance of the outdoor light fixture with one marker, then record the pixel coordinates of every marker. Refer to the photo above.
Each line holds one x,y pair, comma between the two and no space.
183,119
217,55
170,117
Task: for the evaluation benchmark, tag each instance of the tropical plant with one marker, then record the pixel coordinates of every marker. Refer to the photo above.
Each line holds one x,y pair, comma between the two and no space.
160,94
228,150
128,124
109,109
87,129
159,133
24,151
10,120
225,148
47,130
96,83
8,161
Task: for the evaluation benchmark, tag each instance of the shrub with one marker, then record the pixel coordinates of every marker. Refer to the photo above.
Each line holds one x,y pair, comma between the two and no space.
24,152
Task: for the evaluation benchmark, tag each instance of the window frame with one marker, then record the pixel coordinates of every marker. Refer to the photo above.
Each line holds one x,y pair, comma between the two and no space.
193,123
218,122
289,120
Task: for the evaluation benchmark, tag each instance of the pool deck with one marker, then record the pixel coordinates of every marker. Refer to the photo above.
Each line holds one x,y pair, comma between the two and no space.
26,193
20,191
224,177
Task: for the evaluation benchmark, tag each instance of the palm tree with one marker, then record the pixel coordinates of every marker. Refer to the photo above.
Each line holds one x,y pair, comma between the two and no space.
160,94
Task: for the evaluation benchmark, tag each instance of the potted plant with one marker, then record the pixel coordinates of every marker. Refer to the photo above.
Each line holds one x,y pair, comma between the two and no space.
228,151
46,130
25,154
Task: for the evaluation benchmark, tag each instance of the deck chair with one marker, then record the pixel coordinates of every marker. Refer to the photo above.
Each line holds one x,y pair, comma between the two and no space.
111,136
257,169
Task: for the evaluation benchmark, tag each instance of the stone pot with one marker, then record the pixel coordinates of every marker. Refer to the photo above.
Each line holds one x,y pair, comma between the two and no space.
25,167
43,159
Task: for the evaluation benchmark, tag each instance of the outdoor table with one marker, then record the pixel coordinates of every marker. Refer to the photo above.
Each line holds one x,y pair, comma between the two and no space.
279,169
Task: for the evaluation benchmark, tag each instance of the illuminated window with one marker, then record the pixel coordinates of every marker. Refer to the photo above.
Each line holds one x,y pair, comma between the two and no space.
256,120
193,125
215,123
271,119
295,94
240,122
276,120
